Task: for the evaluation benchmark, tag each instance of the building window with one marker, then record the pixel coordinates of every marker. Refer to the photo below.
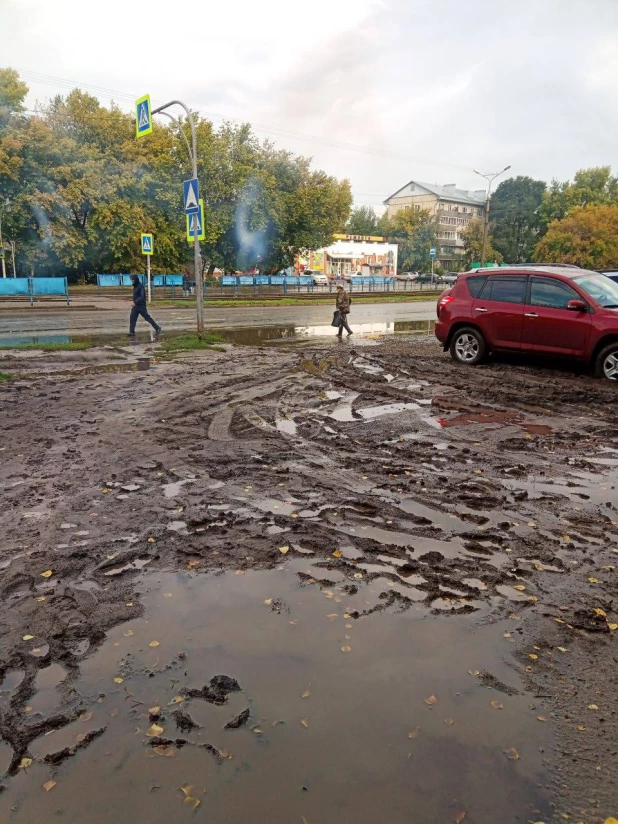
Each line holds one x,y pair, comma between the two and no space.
480,212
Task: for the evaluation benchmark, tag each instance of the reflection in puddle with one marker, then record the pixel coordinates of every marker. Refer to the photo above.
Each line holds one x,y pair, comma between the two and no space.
371,412
287,426
134,565
332,700
171,490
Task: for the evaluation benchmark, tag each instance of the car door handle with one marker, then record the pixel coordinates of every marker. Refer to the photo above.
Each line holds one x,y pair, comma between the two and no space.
480,310
531,315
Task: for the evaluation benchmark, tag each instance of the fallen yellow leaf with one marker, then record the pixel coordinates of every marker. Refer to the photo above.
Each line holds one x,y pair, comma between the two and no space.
178,699
305,694
268,601
154,710
562,649
592,707
154,731
49,785
118,680
511,754
40,598
520,587
193,802
611,821
27,637
497,705
581,728
154,644
413,733
449,722
167,594
593,580
346,649
47,574
305,722
284,549
541,718
151,540
474,672
613,627
337,553
431,700
25,763
533,656
460,816
128,633
600,613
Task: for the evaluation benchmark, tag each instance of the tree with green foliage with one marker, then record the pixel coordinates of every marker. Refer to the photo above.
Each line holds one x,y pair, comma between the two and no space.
587,237
362,221
590,186
473,244
515,220
415,232
79,190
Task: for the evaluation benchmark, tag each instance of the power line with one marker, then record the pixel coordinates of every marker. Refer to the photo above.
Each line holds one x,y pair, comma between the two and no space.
279,131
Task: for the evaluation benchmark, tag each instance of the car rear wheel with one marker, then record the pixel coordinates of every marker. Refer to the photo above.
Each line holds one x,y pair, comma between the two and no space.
468,346
606,365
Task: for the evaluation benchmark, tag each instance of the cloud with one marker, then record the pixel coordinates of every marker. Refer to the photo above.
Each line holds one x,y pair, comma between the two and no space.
432,90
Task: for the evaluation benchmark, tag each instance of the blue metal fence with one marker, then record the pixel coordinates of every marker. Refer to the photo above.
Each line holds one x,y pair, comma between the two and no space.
34,287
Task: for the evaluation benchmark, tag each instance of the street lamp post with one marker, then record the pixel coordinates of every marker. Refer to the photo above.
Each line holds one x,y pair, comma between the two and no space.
489,177
199,286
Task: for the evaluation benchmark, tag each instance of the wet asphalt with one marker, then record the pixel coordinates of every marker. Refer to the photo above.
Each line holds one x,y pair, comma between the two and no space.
308,320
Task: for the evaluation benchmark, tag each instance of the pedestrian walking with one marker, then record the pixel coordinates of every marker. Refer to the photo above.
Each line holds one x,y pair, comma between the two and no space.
139,308
343,307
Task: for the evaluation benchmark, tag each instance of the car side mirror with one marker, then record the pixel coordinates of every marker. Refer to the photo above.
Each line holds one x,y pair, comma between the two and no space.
577,306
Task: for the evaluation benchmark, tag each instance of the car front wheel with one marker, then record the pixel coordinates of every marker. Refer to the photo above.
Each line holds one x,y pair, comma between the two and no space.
468,346
606,365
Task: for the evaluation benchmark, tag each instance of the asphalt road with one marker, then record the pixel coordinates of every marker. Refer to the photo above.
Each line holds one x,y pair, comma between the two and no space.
282,321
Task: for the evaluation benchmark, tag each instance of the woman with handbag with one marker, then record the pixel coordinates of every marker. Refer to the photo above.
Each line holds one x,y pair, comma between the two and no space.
343,309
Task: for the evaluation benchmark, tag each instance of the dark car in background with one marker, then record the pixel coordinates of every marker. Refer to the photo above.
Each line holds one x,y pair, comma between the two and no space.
557,311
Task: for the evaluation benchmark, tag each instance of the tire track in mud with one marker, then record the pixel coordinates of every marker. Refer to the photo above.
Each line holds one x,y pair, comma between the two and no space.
350,484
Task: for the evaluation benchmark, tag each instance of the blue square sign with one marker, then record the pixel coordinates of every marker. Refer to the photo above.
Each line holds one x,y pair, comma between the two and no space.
191,196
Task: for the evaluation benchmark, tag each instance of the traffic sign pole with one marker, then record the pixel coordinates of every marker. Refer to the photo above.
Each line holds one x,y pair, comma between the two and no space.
199,286
148,277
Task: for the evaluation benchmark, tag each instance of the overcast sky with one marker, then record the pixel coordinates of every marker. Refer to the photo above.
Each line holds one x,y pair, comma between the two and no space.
379,91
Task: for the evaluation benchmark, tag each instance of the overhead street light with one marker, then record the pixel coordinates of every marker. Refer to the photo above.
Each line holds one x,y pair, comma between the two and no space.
489,177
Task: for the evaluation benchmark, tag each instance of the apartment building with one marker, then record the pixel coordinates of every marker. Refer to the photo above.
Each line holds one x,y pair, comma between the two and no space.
454,208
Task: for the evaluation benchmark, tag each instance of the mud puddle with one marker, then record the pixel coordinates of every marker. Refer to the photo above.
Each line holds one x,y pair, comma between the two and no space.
341,711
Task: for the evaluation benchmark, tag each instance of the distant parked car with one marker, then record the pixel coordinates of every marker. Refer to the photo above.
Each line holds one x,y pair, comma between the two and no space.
319,278
612,274
409,276
427,277
449,277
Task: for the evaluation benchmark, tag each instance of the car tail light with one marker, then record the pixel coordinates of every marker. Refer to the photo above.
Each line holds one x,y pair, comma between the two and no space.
444,301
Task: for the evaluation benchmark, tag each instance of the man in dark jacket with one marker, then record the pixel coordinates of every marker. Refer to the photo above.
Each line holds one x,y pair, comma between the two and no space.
139,308
343,307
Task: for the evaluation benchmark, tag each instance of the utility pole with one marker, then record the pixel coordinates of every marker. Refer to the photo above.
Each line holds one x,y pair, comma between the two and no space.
489,177
2,250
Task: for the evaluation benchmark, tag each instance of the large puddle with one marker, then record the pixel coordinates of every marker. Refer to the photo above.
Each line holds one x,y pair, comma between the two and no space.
359,719
247,336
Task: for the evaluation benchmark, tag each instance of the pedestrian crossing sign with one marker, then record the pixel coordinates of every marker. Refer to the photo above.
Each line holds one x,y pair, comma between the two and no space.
147,244
143,116
199,217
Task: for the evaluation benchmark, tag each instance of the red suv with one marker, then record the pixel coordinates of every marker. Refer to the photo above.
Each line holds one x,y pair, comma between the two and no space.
551,311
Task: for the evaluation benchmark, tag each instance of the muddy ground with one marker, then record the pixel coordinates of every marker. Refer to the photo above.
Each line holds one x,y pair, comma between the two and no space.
407,492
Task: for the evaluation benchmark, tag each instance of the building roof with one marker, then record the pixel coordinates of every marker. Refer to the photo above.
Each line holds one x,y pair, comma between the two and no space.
446,192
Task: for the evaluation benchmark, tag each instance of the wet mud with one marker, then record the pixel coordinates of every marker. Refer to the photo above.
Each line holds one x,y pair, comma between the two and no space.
429,552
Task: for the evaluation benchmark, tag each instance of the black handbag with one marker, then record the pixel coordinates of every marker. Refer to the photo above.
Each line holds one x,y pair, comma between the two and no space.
336,318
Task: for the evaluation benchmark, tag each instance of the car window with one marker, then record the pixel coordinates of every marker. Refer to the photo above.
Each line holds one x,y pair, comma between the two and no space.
551,293
600,288
507,290
475,285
